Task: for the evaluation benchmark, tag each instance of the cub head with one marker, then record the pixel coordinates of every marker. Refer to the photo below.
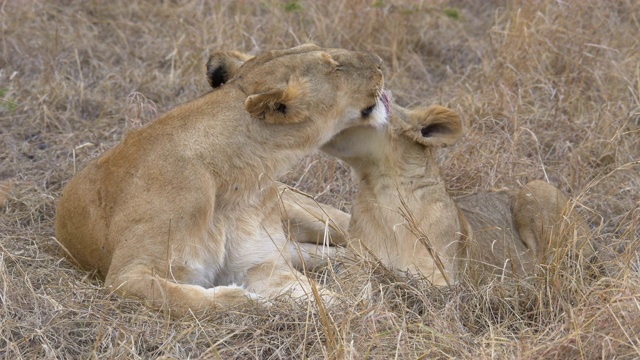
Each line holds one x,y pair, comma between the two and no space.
329,89
410,133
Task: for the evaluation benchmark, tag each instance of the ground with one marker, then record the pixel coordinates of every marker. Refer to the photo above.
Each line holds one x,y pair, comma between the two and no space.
547,90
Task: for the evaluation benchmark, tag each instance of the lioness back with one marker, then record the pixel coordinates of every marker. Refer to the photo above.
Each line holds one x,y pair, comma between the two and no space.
125,188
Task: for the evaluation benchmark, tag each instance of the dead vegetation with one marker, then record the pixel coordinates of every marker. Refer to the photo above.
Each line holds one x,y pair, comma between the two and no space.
547,89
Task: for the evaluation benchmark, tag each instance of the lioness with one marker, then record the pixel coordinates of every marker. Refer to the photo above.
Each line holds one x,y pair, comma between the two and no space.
403,215
185,208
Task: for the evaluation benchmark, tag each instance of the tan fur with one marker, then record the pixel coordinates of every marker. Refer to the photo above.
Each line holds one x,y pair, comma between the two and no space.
317,228
309,220
5,188
403,215
185,207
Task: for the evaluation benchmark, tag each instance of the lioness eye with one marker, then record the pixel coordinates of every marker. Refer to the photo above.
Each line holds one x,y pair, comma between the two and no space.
367,111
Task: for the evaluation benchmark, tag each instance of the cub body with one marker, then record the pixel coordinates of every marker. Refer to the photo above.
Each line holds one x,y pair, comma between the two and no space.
403,216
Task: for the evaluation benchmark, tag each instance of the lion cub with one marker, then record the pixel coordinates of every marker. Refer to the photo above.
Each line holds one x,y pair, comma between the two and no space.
403,215
185,208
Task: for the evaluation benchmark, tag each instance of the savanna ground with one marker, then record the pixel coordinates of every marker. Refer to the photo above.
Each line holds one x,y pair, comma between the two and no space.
547,90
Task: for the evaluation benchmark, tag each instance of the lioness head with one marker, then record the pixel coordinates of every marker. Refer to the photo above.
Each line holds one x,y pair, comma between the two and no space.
305,83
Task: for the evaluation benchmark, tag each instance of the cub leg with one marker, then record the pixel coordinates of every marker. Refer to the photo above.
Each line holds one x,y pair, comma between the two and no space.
311,256
309,220
539,210
542,222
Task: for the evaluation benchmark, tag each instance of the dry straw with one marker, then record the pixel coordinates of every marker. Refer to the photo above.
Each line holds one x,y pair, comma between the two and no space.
547,90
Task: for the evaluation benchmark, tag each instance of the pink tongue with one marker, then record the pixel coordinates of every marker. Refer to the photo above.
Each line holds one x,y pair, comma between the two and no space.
387,102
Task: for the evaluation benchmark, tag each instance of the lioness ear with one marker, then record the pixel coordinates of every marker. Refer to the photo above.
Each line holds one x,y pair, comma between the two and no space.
223,66
279,106
435,126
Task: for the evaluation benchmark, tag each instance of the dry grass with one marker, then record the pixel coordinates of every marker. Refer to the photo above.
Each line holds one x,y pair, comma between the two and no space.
548,89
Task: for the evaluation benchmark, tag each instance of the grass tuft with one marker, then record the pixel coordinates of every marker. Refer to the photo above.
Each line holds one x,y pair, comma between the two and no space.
547,90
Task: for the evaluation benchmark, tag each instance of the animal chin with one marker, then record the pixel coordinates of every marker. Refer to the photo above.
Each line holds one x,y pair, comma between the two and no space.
387,103
380,114
379,117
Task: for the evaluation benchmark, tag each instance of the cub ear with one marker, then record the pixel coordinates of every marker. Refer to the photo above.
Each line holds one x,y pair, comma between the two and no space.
223,66
434,126
280,106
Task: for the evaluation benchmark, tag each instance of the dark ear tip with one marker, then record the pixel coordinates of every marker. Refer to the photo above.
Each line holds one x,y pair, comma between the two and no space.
282,108
431,129
217,76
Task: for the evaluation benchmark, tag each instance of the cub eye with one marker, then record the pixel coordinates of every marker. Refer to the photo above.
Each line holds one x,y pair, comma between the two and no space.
282,108
367,111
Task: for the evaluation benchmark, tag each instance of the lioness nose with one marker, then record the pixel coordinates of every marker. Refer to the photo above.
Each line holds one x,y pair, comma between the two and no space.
376,59
357,59
367,59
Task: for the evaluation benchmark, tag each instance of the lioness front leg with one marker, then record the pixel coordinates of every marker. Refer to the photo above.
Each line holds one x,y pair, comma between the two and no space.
158,292
310,221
